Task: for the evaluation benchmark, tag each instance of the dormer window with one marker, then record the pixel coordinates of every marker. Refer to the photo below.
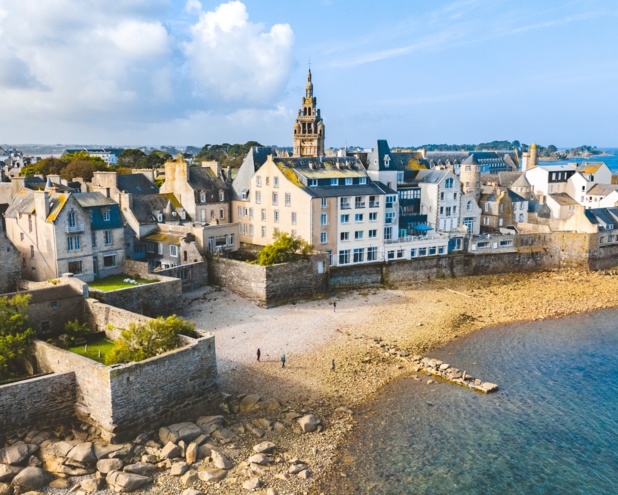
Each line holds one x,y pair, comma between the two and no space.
348,181
221,196
203,196
313,182
362,180
183,214
334,182
160,216
387,161
245,194
399,177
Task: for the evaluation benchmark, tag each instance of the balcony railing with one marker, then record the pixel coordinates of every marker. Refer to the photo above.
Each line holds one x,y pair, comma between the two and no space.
346,206
359,204
374,204
71,229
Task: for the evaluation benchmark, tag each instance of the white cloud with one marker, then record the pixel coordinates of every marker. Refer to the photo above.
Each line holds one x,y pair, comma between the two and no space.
128,64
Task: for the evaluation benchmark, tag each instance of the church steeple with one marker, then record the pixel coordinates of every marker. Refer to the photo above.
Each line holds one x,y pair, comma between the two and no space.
309,128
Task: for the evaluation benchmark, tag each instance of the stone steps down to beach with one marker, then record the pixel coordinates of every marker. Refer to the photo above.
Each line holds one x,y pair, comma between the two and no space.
452,375
236,453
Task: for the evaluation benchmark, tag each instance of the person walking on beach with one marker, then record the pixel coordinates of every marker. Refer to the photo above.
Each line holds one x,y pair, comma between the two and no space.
283,360
334,306
332,365
259,353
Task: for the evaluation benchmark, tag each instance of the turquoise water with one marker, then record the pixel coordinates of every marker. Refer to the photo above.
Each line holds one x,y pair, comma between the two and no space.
610,161
551,429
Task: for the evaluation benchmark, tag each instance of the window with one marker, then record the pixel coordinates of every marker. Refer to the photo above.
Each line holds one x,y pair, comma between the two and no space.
293,218
106,216
344,256
323,237
500,222
442,196
399,177
258,197
263,215
231,241
521,217
263,231
372,253
32,251
412,253
400,253
455,196
246,227
275,198
240,212
75,267
221,213
73,243
258,181
334,182
160,248
288,199
468,168
390,200
390,255
362,181
71,218
21,236
432,251
212,214
359,255
345,218
469,206
388,233
275,181
313,182
448,211
324,219
348,181
449,183
422,251
485,220
107,236
441,210
373,234
486,206
358,217
109,260
293,235
276,212
54,305
358,235
203,196
373,202
344,236
267,180
389,217
324,203
245,195
345,203
373,216
358,202
250,212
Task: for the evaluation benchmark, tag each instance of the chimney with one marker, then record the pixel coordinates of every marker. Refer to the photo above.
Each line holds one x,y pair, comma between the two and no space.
18,184
148,172
126,201
214,166
41,204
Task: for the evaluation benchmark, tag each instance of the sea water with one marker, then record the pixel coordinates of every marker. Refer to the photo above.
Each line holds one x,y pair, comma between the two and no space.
552,428
611,161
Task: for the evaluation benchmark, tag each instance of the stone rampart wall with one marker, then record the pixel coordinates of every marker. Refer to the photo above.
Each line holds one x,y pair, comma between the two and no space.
176,386
109,319
193,276
161,298
39,402
10,270
356,276
93,399
272,285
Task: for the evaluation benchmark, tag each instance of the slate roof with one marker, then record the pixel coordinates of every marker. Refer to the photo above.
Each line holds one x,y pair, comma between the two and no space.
589,167
324,168
204,179
92,199
136,184
164,238
515,198
427,176
507,179
521,182
603,216
602,189
256,157
357,190
22,203
563,199
145,207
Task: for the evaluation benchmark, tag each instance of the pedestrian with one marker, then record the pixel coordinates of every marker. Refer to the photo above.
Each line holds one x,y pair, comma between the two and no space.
259,353
332,365
334,306
283,360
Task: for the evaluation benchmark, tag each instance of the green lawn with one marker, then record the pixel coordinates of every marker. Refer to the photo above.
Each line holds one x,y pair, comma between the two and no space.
102,344
115,282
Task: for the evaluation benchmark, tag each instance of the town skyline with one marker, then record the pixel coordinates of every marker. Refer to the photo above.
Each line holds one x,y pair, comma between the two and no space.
455,72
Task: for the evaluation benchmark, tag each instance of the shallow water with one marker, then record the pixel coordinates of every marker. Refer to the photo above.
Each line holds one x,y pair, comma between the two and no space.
551,429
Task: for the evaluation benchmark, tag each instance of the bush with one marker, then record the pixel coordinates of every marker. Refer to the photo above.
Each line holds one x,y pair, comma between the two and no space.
15,336
283,250
146,340
76,330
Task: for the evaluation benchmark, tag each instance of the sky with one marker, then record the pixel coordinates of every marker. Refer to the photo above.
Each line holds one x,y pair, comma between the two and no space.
195,72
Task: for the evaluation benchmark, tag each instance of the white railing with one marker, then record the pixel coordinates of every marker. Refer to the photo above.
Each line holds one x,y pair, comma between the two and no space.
70,229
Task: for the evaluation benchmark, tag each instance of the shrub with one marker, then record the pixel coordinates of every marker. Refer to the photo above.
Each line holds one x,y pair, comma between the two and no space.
15,336
145,340
76,330
283,250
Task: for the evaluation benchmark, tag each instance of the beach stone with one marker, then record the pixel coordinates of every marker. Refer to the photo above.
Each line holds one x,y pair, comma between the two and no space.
252,484
170,451
489,387
7,473
212,475
61,483
203,421
192,491
141,468
309,423
297,468
179,468
271,491
6,489
16,454
186,431
248,402
108,465
91,485
259,459
283,476
444,366
126,482
267,405
304,474
264,447
220,461
224,435
191,453
258,432
189,478
204,450
103,451
32,478
82,453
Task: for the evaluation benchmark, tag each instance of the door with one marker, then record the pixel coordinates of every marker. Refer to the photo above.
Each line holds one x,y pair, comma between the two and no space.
95,265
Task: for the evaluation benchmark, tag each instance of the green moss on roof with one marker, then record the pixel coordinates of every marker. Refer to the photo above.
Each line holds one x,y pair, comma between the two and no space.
175,203
290,175
414,164
62,199
164,238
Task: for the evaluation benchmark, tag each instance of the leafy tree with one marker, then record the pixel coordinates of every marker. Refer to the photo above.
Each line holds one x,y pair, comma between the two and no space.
15,336
143,341
76,330
226,154
81,168
130,158
283,249
155,159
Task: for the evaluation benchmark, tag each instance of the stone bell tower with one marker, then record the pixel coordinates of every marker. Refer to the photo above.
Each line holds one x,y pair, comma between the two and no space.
309,128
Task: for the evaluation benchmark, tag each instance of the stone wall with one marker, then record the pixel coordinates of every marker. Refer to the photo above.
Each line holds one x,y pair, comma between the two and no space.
10,270
161,298
176,386
45,401
356,276
193,275
104,318
272,285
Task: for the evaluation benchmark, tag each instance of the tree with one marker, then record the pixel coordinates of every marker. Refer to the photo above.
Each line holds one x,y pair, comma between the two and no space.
15,336
131,158
551,149
146,340
81,168
155,159
283,250
76,330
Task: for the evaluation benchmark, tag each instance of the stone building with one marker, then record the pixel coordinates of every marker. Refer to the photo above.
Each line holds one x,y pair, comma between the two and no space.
79,233
309,128
501,208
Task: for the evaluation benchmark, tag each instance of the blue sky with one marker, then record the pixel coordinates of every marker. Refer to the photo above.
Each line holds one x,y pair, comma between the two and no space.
193,72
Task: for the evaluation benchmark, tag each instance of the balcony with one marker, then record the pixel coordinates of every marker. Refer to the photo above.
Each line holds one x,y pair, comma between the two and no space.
359,204
72,229
374,204
346,206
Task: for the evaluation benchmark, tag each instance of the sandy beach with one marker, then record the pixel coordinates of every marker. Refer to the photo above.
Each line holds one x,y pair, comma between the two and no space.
369,335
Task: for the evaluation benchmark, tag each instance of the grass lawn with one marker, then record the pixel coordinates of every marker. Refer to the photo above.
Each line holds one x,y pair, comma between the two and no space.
103,344
115,282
